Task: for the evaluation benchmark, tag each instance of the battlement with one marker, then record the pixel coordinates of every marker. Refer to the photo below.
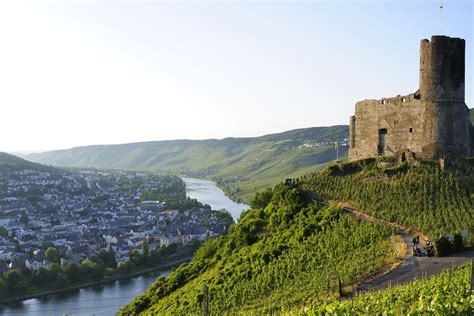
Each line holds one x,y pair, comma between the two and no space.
442,39
398,100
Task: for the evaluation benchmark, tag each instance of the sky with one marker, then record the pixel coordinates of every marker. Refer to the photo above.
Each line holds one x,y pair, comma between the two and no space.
75,73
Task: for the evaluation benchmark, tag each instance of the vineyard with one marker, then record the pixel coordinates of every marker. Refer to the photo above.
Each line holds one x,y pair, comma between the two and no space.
288,252
446,294
284,254
435,201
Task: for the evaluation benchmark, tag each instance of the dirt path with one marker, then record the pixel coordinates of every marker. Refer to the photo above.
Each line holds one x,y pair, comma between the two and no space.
403,228
411,267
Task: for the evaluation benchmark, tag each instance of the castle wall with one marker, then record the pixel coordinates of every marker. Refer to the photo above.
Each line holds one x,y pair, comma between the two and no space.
403,118
433,122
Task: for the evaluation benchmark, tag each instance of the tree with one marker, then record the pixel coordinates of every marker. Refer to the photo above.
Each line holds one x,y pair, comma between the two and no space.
135,257
3,286
106,258
62,279
145,250
40,275
52,254
91,269
21,286
72,272
124,267
24,218
262,199
53,271
12,278
109,272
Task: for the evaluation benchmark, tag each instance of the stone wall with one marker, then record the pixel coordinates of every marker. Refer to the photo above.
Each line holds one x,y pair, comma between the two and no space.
432,122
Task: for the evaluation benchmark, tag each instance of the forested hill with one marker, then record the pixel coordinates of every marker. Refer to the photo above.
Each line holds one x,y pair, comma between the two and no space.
247,163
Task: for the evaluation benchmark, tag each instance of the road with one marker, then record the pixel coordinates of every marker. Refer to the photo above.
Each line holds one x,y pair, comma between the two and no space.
411,267
416,267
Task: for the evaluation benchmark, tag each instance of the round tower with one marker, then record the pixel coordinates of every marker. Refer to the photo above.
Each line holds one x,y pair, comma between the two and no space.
442,69
446,118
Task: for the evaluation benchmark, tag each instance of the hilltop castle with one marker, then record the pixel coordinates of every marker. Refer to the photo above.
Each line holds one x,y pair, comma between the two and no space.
431,123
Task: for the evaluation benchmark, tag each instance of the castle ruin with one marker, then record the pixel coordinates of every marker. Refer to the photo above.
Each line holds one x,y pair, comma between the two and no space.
431,123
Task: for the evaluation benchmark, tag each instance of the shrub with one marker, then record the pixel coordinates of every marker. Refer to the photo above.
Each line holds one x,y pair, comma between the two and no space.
443,246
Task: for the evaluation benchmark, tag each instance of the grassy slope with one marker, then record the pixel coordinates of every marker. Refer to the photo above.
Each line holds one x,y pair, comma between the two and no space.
472,115
258,162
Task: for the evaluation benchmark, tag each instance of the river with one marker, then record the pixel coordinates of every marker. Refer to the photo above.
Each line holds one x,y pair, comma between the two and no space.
107,299
207,192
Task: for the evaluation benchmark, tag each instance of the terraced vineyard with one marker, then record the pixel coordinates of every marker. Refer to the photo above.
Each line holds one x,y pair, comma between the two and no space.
434,201
446,294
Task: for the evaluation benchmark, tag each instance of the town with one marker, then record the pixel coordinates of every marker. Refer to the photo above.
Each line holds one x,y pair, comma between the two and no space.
78,213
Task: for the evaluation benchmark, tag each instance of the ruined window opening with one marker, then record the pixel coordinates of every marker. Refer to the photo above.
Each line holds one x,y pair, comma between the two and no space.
383,101
411,130
403,100
381,146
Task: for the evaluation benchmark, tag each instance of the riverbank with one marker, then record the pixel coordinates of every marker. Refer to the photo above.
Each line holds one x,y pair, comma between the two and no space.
98,282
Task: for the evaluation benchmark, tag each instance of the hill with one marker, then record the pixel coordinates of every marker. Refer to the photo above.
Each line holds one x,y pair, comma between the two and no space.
288,252
268,261
241,166
11,162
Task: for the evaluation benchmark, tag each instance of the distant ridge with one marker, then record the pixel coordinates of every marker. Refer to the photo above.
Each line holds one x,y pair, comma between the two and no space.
250,163
8,161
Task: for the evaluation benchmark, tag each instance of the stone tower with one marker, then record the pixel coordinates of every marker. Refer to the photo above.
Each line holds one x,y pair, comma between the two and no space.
432,123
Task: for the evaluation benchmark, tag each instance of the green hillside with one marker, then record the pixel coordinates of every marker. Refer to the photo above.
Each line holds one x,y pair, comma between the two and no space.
249,164
472,115
288,253
285,252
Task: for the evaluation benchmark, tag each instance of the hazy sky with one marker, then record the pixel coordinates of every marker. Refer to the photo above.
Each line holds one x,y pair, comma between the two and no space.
84,72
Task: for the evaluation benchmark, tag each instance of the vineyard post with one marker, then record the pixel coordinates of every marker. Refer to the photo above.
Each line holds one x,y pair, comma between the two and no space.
206,300
472,275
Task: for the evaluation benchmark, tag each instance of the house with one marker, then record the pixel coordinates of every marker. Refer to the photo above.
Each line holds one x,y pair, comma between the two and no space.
166,240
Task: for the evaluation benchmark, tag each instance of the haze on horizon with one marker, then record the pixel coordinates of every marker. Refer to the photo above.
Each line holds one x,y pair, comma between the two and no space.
82,73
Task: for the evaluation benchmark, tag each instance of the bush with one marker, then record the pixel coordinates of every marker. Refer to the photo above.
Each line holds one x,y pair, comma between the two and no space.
458,243
443,246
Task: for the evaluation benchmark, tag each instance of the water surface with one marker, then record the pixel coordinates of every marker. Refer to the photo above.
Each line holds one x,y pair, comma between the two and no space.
207,192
